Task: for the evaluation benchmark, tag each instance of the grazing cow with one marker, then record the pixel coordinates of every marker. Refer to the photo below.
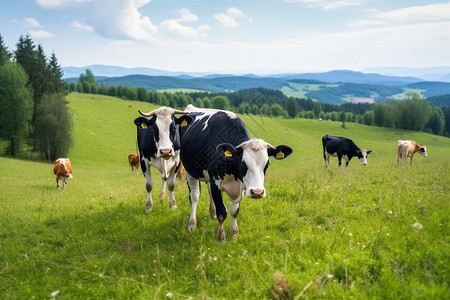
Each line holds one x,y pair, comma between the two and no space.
408,148
159,143
63,172
216,149
133,160
342,148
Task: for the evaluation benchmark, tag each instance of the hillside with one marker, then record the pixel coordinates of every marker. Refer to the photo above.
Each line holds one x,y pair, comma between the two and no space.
344,233
335,87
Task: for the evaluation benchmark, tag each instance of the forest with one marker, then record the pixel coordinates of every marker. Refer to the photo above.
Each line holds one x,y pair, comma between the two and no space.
34,118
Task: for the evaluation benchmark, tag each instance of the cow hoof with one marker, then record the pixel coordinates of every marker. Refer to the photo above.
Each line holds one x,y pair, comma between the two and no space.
162,195
148,209
234,230
221,237
213,214
173,206
192,225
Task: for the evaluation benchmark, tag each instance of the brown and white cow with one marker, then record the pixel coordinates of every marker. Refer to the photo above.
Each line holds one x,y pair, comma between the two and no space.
133,160
63,172
407,149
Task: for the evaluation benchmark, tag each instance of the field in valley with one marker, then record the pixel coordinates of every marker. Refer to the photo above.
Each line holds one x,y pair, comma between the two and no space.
376,231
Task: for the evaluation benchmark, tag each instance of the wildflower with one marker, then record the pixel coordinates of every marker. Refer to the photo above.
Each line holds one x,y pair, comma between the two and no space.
53,294
169,295
390,212
350,234
330,275
417,226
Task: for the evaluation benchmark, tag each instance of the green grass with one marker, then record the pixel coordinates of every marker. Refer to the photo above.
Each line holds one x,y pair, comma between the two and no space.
339,234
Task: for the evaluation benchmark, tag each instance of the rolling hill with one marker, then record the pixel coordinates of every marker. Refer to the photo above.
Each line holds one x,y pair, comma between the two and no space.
336,87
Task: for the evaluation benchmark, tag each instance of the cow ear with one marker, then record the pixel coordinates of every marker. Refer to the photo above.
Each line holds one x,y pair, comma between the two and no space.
227,150
280,152
142,122
369,151
184,120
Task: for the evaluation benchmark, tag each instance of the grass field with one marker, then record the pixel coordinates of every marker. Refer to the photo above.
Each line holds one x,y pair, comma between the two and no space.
366,232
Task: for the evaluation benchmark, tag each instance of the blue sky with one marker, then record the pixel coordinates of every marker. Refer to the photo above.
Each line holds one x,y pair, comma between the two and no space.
241,36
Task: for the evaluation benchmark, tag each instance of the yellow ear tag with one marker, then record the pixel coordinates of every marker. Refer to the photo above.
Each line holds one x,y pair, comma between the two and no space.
228,153
183,123
279,155
144,125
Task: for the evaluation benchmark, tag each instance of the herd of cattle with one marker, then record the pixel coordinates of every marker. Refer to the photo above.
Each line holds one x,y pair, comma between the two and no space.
214,146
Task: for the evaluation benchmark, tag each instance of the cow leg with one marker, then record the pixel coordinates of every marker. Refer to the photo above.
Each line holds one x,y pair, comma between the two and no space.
234,211
194,194
212,206
327,160
149,188
410,160
162,192
221,210
339,160
171,188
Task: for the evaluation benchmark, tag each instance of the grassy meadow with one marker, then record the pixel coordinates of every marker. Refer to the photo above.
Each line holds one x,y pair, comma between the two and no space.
366,232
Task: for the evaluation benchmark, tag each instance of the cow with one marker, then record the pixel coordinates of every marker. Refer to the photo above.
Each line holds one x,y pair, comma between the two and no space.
216,149
159,146
63,172
407,149
342,147
133,160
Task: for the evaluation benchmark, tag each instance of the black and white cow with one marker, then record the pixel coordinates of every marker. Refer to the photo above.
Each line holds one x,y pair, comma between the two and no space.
342,147
158,141
216,148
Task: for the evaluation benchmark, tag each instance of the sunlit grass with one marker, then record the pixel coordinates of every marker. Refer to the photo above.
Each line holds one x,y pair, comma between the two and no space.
343,233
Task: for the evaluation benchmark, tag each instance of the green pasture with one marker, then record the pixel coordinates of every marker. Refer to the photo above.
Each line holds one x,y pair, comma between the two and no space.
366,232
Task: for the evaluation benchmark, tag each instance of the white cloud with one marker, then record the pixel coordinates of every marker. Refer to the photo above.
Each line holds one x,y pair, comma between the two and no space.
120,19
40,34
174,27
230,17
425,13
326,4
51,4
432,12
78,25
31,22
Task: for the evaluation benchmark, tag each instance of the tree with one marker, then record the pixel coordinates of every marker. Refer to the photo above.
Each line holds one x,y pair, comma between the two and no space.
221,102
292,107
5,56
436,122
413,112
88,83
53,127
368,117
317,108
55,74
15,106
276,110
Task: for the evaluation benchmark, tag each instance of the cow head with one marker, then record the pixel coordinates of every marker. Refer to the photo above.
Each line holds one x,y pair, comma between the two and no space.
423,151
362,155
165,129
252,160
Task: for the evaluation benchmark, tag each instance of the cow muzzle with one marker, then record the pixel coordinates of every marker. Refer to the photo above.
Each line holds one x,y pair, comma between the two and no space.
257,193
166,153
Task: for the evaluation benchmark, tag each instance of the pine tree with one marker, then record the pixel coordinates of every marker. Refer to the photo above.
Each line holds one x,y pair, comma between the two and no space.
55,82
5,56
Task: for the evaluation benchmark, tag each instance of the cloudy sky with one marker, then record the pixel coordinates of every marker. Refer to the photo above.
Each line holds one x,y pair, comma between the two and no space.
235,36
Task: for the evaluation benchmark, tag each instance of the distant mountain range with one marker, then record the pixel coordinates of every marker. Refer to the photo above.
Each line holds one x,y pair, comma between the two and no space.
338,86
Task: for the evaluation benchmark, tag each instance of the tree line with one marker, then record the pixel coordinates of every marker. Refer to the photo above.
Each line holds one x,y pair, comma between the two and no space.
411,113
34,116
